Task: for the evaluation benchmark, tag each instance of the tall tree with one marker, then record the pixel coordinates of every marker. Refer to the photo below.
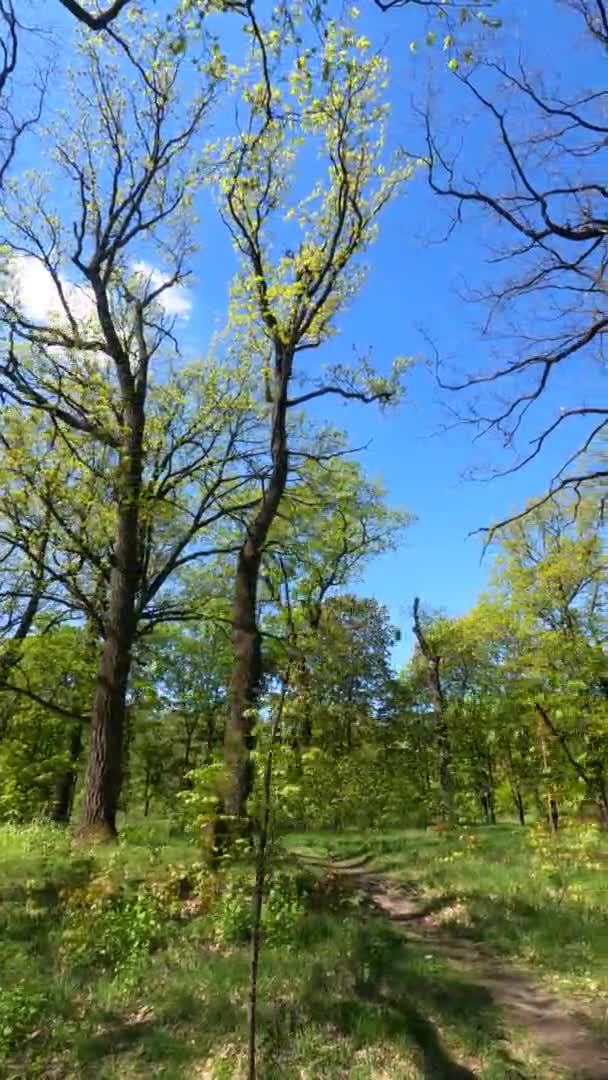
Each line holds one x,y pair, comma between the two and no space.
432,659
350,667
288,302
123,151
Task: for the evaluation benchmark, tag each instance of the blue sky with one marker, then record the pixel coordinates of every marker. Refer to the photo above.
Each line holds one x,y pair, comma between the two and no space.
412,292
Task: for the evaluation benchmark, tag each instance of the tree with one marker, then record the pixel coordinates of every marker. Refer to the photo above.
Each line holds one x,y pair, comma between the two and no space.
41,724
546,193
13,125
342,760
179,698
518,679
333,521
432,660
552,570
350,670
123,152
287,304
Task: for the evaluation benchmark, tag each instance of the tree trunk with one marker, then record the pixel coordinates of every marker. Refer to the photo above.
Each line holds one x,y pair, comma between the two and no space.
515,788
247,670
601,788
551,811
147,791
257,899
104,770
246,679
553,814
211,736
63,796
442,734
519,803
490,791
186,783
304,735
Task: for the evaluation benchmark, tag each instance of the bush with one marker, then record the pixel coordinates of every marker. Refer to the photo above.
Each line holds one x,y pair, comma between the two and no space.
108,928
284,909
232,918
20,1007
282,913
198,806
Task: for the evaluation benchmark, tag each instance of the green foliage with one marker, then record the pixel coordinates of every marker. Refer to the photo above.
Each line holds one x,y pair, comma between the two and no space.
233,919
200,803
309,100
522,672
111,931
283,911
58,667
20,1009
366,788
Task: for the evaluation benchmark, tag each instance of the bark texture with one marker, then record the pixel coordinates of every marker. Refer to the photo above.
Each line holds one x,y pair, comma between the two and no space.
247,670
104,769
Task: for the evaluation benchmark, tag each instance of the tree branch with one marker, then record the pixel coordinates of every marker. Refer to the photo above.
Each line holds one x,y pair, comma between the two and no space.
94,22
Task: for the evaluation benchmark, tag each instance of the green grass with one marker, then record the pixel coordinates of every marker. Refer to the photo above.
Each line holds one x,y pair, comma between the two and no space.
525,896
120,963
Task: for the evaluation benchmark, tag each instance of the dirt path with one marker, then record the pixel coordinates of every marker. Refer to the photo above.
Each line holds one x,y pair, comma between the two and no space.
555,1023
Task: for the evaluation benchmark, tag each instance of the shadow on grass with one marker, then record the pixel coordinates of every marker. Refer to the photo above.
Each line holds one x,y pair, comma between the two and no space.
28,939
163,1040
389,996
31,912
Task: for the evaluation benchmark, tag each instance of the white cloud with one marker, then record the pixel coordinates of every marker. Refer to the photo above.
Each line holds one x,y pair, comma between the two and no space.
175,300
33,290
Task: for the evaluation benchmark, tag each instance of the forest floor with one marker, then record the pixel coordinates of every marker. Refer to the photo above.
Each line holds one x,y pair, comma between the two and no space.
387,956
562,1026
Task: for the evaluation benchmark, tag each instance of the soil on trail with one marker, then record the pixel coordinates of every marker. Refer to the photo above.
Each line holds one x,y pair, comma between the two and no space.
554,1023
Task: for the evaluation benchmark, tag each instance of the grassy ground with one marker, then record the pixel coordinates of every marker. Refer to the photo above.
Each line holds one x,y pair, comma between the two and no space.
525,896
132,962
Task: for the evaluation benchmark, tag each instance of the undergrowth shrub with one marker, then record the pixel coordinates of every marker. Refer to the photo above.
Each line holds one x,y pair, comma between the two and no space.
20,1007
282,915
111,930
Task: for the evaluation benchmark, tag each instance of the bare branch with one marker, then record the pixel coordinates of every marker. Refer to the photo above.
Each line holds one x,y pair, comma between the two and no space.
339,391
546,195
94,22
